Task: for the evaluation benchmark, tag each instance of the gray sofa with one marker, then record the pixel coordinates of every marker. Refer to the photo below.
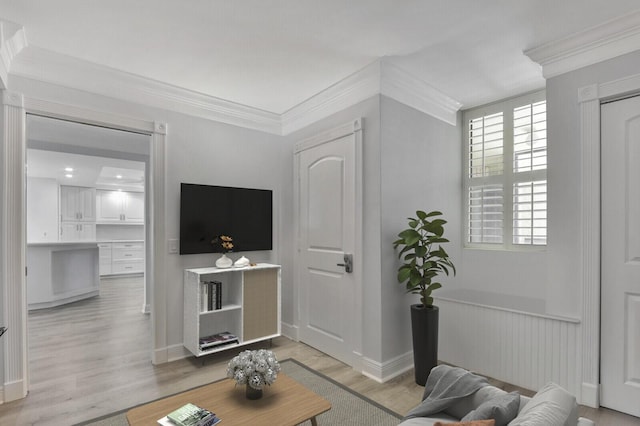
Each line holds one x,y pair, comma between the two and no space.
469,397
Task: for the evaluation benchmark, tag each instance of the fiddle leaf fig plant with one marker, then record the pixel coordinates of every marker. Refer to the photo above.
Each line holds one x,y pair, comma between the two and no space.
422,255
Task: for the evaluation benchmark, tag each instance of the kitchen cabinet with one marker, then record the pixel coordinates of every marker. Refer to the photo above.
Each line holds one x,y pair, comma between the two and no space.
77,231
121,257
120,207
77,204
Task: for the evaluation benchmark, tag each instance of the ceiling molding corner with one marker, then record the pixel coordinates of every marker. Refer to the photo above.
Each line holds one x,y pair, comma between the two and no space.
12,40
47,66
410,90
355,88
596,44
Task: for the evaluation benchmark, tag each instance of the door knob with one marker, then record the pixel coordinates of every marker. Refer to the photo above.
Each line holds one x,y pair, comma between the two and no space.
348,263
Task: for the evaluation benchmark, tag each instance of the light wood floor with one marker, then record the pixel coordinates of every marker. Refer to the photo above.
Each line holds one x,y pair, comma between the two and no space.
92,358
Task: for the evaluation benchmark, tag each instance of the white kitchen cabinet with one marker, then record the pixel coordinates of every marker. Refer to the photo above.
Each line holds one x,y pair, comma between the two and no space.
77,231
119,206
77,204
121,257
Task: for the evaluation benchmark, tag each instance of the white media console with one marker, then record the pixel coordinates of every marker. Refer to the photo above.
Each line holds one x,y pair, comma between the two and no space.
249,309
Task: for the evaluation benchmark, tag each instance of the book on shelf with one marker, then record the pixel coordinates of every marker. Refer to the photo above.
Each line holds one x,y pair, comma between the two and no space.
190,415
211,296
218,339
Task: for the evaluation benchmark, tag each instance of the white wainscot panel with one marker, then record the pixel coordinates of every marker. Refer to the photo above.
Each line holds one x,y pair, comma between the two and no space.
523,349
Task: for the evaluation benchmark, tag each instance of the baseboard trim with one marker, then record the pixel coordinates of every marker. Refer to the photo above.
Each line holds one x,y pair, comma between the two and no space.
13,391
385,371
290,331
590,395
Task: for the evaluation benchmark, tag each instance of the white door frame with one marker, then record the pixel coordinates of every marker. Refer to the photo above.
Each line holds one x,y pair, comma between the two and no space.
15,107
352,127
589,98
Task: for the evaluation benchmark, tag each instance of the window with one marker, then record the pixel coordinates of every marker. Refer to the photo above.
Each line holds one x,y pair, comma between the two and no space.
505,173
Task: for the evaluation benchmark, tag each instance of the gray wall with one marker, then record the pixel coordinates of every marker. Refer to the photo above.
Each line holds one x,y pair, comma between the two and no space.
563,278
420,170
198,151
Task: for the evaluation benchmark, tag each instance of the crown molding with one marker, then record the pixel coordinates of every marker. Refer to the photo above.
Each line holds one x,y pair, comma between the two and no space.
596,44
12,40
355,88
44,65
379,77
408,89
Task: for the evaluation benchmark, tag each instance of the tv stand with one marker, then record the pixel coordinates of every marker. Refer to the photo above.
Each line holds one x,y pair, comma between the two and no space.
250,308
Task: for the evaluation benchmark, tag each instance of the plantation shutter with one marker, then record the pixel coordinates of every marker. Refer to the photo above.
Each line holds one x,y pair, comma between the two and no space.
505,174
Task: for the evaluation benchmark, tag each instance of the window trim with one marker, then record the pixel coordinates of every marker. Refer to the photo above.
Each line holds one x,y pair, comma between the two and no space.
505,106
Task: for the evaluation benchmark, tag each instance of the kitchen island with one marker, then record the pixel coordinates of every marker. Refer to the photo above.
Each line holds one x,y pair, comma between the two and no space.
61,272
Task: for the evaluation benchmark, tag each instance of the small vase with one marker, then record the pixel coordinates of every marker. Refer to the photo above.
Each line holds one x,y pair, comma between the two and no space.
252,393
224,262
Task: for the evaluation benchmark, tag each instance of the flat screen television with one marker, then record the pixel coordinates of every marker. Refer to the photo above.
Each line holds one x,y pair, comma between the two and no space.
208,211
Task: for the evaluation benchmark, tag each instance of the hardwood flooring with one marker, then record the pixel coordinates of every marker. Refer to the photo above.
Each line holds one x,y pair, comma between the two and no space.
92,358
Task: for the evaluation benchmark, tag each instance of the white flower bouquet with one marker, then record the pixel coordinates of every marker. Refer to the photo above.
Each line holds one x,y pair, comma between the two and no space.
254,368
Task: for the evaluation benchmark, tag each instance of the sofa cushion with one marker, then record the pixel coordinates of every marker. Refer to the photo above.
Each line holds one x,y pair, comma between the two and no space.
488,422
469,403
552,405
502,408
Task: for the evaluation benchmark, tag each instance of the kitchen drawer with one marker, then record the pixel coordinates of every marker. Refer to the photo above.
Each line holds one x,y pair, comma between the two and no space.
129,245
127,266
127,254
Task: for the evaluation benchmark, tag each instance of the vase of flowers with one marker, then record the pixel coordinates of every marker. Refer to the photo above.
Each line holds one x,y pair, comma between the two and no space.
254,369
224,244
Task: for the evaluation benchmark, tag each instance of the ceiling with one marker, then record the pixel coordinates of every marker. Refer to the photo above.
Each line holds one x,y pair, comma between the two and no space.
273,55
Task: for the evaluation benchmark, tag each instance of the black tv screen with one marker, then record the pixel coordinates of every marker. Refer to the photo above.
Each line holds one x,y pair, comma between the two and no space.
208,211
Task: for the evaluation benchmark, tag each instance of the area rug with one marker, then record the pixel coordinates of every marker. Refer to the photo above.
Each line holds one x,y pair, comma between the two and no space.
348,408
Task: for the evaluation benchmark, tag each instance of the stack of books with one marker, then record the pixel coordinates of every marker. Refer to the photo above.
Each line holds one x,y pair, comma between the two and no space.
211,296
218,339
190,415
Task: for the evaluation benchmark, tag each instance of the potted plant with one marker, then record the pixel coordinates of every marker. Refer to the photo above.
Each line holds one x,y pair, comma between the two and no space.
423,259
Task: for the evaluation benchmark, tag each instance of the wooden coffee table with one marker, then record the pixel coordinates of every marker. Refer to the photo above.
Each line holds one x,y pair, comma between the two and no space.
285,403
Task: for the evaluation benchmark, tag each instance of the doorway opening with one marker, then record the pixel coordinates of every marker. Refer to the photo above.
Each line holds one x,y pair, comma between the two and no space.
87,296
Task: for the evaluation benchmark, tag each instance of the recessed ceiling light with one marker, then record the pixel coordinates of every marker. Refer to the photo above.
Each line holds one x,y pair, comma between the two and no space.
69,175
68,169
118,176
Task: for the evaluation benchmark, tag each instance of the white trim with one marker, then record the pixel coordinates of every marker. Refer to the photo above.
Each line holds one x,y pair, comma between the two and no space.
290,330
383,372
355,88
379,77
12,40
410,90
44,65
13,242
589,98
596,44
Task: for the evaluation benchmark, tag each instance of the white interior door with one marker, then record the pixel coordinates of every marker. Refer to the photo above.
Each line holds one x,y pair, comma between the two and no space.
327,207
620,341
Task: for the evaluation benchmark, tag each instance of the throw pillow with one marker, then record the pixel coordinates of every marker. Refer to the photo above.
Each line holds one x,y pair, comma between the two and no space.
552,405
502,409
489,422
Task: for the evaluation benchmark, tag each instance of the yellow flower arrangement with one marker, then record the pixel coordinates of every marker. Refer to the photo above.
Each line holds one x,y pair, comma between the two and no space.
225,241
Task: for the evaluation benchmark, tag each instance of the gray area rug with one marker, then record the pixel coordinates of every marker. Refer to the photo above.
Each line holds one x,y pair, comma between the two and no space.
348,408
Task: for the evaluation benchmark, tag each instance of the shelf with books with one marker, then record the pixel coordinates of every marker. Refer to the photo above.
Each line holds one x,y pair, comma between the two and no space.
244,302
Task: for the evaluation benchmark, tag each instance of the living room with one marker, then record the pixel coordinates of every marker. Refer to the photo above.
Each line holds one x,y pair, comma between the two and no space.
411,159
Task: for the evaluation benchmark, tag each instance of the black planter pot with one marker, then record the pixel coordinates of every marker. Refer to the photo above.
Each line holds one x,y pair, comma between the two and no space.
424,328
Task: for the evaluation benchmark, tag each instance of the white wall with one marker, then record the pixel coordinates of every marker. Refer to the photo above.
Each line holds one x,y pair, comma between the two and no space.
42,210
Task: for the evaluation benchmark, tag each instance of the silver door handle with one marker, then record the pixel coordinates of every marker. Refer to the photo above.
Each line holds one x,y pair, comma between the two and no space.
348,263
